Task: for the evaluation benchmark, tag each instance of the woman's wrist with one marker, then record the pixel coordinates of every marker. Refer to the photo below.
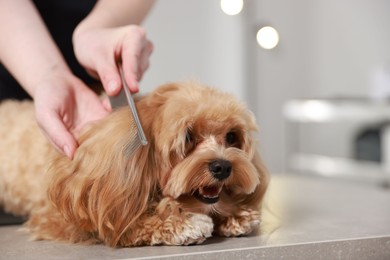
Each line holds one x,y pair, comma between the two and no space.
55,70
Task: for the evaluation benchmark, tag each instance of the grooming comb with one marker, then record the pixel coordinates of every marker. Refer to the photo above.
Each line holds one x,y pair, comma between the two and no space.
140,138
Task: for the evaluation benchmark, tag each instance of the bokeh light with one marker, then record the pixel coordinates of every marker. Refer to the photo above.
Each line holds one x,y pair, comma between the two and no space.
267,37
232,7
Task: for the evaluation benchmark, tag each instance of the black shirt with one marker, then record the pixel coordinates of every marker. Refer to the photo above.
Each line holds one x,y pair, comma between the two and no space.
61,18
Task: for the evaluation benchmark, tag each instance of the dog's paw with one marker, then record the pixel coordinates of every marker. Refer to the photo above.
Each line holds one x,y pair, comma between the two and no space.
241,224
192,229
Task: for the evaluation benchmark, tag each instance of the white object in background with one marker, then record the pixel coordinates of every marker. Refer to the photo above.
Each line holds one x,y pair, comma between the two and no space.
267,37
328,110
232,7
380,83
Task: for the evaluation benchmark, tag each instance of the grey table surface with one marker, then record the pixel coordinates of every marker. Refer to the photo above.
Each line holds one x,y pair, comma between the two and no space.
304,218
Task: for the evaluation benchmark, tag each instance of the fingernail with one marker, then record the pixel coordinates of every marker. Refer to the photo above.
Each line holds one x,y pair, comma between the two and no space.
67,151
112,86
134,87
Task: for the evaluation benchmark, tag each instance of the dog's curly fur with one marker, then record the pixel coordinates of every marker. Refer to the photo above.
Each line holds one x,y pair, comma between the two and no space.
199,175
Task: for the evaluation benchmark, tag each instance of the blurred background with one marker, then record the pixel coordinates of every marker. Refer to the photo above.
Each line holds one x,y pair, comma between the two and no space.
315,73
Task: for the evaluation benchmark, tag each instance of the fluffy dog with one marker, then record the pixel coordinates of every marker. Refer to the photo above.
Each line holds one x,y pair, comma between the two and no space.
199,175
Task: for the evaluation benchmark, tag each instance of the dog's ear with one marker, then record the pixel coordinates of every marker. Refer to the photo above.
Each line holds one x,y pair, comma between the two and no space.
154,112
250,126
254,199
250,146
105,189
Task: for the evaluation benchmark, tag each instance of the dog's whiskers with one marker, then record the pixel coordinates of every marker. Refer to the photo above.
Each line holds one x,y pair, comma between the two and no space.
215,210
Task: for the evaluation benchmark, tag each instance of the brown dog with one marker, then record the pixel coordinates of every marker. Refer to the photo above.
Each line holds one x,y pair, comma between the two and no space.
200,173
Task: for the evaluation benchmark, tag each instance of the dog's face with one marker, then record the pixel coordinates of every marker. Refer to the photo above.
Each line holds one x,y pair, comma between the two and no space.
204,143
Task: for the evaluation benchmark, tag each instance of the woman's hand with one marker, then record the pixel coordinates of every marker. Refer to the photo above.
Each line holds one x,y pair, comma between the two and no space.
99,50
63,105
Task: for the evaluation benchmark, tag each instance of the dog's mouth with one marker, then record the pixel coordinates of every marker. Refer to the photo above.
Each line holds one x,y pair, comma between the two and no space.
208,194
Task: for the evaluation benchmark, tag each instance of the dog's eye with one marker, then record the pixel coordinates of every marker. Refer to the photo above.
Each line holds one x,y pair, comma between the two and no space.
190,142
189,137
231,138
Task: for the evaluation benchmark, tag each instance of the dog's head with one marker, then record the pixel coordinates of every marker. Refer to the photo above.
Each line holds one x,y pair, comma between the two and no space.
203,141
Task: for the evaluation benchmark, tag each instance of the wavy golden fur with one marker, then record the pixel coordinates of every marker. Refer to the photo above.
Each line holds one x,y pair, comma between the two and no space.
200,173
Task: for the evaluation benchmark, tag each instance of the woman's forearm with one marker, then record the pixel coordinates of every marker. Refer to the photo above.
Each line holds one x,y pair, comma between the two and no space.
115,13
26,47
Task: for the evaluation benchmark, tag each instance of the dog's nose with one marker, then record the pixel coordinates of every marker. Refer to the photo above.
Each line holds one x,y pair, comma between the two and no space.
220,169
